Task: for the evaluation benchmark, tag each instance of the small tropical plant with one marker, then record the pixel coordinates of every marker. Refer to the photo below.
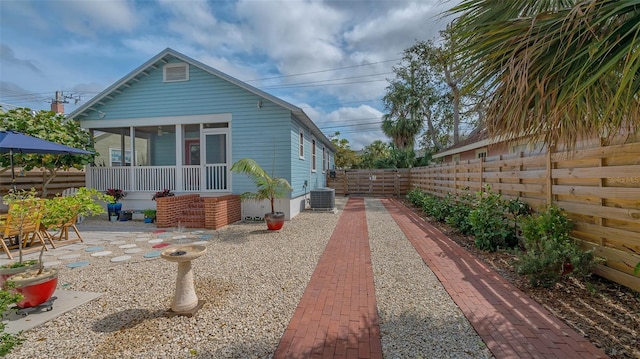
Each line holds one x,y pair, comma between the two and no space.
7,298
164,193
550,251
459,214
268,187
150,213
489,223
116,194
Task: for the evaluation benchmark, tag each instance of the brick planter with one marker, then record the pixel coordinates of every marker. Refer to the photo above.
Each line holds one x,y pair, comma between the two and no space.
193,211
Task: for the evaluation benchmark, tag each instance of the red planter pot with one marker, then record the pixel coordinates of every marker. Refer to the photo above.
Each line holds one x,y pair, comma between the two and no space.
275,221
36,290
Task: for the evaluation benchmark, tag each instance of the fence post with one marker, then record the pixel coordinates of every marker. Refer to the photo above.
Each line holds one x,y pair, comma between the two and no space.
550,176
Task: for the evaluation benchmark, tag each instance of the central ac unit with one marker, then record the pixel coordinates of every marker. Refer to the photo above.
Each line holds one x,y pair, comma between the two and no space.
323,198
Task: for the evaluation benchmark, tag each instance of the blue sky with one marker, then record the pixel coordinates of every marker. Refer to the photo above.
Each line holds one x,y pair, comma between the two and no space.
331,58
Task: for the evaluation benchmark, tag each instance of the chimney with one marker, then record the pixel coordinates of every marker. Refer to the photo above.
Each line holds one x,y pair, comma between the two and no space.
57,105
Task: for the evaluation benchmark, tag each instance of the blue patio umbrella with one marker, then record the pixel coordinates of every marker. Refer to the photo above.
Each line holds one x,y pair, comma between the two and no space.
15,142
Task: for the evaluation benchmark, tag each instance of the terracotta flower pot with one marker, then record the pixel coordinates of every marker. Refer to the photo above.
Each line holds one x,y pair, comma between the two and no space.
275,221
35,289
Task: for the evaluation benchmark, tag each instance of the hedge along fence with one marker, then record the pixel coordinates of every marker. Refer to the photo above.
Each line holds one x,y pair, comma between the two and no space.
598,187
35,179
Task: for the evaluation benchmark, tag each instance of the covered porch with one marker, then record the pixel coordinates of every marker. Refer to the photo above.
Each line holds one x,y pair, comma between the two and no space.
182,157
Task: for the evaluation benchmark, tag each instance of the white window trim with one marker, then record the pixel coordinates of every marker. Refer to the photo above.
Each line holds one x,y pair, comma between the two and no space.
314,162
182,64
324,159
301,145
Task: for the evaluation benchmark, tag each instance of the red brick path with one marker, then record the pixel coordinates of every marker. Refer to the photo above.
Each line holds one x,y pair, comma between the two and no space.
337,316
510,323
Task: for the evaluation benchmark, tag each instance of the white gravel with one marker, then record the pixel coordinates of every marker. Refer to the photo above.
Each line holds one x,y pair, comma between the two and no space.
418,319
252,280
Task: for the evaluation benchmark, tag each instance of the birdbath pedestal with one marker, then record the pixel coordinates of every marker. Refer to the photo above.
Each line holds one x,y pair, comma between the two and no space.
185,301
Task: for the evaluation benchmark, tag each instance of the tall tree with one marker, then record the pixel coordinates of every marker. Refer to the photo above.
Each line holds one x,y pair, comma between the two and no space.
345,157
557,70
52,127
411,97
373,153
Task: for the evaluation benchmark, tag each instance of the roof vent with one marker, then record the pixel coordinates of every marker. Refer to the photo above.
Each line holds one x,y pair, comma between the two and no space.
176,72
323,199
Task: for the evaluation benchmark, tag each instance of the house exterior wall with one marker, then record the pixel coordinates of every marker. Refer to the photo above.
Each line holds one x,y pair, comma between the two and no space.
258,128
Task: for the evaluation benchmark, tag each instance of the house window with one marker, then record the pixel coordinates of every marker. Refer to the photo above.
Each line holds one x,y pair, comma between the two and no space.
175,72
301,144
481,153
115,157
324,159
313,155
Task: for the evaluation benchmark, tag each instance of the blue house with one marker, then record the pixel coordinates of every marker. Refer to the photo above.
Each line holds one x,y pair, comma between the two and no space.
179,124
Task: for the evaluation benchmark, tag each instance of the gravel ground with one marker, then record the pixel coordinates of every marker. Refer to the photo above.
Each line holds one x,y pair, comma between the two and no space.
252,280
417,316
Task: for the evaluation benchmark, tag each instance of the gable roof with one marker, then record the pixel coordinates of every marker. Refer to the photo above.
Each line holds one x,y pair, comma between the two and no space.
161,59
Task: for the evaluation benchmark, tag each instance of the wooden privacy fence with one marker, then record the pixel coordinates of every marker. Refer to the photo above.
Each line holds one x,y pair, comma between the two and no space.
599,188
35,179
384,182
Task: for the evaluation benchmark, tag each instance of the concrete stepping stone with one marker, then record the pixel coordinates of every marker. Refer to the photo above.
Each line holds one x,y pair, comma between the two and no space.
153,254
78,264
160,245
133,250
127,246
157,231
69,256
120,258
200,243
157,240
51,264
164,235
142,239
205,236
94,249
118,242
179,237
197,232
101,254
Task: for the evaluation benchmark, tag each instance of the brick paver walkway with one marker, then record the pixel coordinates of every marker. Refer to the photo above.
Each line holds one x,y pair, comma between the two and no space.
337,316
510,323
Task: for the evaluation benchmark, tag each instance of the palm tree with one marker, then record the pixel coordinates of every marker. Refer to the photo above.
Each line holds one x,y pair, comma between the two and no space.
268,187
554,69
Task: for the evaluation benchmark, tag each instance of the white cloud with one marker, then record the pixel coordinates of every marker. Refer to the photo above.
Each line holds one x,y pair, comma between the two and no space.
95,18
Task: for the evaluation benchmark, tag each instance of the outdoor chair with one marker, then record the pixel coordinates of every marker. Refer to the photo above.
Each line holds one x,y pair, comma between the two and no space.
25,221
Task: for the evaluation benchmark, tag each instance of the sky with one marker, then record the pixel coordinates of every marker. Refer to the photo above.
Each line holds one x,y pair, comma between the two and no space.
330,58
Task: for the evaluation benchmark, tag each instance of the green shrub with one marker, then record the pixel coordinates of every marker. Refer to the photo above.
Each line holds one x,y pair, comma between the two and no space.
7,298
489,223
458,217
550,251
429,202
518,209
416,196
442,207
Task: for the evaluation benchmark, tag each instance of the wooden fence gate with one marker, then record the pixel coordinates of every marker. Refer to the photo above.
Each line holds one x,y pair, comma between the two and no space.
383,182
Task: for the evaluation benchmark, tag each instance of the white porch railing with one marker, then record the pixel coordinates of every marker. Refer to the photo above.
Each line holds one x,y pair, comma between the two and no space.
158,178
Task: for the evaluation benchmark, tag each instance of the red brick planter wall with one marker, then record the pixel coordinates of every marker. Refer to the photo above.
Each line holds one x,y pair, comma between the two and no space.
218,211
169,209
221,211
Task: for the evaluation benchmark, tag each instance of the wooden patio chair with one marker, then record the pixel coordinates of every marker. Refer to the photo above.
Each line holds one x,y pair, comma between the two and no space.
62,228
29,220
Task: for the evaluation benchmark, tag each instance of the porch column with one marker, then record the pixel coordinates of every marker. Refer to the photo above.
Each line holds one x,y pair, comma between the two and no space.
179,157
132,172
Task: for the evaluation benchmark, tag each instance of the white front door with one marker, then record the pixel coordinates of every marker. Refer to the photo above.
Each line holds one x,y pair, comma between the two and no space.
216,160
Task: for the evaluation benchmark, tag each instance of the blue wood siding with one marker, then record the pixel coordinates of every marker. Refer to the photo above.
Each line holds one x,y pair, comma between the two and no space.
269,133
259,133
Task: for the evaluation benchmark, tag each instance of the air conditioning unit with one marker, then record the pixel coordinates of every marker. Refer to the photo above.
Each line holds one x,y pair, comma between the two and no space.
323,198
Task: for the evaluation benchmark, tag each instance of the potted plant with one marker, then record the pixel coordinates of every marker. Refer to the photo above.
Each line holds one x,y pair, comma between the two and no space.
268,188
38,284
164,193
113,206
149,215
